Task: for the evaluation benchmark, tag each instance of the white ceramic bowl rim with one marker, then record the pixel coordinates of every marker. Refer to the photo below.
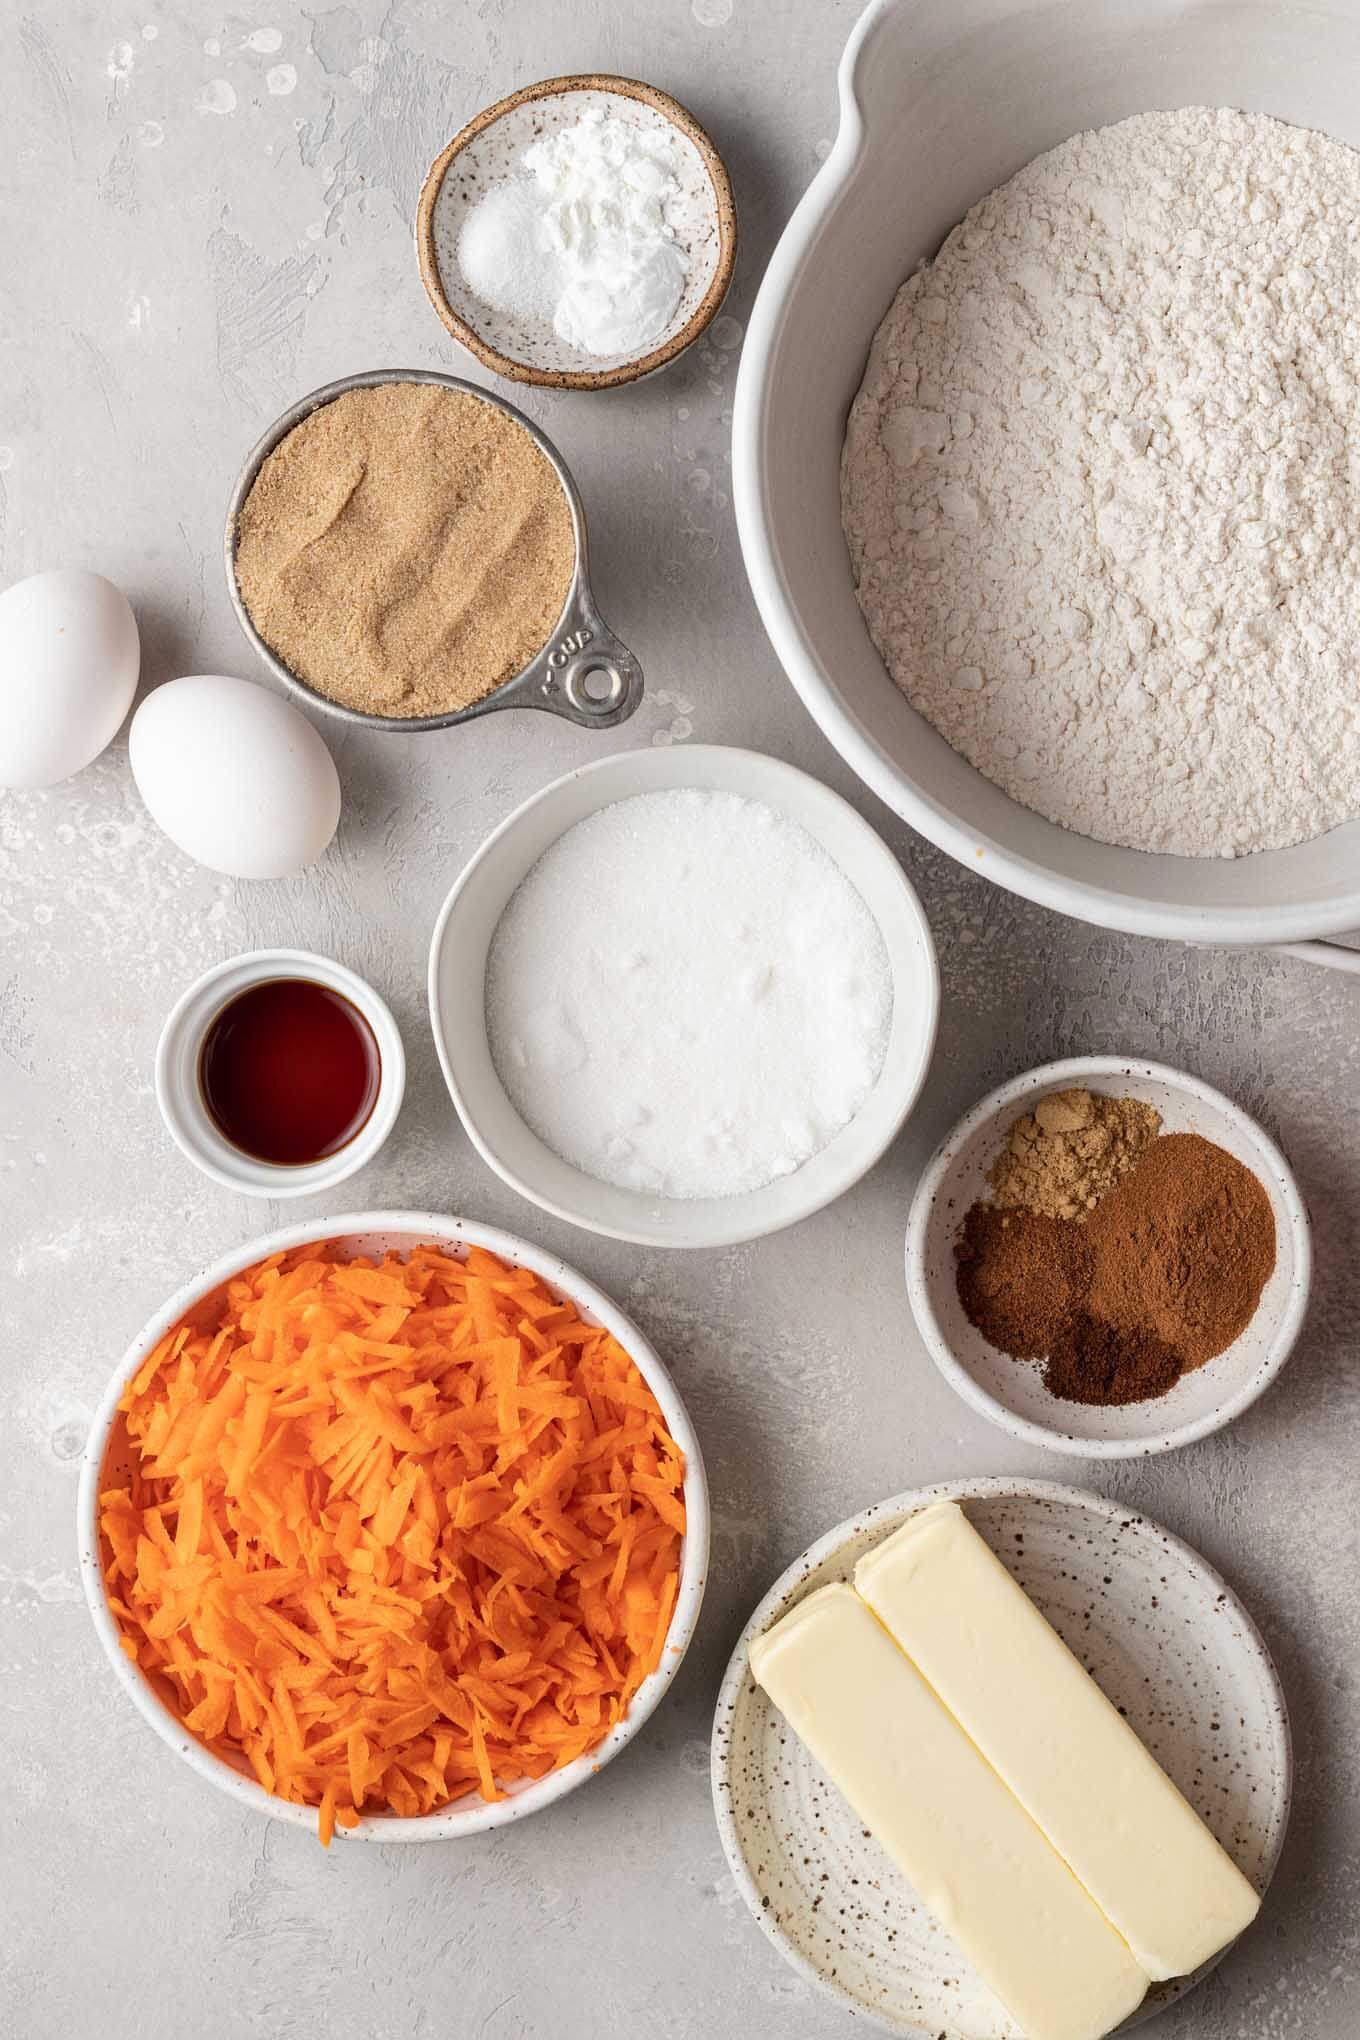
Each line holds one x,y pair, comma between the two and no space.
181,1103
1071,77
909,1502
1081,1070
725,1221
469,1816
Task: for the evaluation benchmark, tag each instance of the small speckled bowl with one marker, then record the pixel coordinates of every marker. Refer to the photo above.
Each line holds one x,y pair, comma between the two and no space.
374,1232
1159,1631
1011,1392
487,152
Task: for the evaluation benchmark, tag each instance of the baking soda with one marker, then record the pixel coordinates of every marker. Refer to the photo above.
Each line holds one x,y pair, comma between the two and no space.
686,996
581,237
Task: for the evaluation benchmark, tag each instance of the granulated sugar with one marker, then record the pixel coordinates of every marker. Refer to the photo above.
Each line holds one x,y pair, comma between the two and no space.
686,996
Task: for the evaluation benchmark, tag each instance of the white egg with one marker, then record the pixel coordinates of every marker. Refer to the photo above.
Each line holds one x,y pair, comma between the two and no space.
234,775
69,655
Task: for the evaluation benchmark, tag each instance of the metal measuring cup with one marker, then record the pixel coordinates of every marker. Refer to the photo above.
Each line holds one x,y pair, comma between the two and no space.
583,673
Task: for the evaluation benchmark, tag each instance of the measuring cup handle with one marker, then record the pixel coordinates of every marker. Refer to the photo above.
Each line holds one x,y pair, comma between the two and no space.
587,674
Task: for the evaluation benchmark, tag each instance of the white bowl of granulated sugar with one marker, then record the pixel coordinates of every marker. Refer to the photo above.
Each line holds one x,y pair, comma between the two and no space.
683,997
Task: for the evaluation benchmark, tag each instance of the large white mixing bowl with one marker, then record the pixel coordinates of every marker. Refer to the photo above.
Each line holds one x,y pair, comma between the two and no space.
942,100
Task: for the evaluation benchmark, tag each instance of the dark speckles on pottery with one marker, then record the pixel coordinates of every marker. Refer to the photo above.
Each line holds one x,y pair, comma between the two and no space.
1194,1679
488,151
1011,1393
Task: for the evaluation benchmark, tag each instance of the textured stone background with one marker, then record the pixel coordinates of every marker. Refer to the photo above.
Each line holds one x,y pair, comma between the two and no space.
203,217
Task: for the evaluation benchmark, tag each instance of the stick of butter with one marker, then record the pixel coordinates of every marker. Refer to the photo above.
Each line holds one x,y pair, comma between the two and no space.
973,1853
1069,1757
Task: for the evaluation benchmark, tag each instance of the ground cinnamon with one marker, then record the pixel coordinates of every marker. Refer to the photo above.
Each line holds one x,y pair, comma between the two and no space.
1166,1271
1184,1245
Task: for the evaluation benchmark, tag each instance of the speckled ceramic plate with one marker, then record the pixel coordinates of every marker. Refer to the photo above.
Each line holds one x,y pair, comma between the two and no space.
1011,1393
1155,1626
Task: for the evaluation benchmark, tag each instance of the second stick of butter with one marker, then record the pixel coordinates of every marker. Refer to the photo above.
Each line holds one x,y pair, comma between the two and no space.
1066,1753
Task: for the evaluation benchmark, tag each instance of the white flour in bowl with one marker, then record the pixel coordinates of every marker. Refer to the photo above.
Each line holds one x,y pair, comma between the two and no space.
1101,484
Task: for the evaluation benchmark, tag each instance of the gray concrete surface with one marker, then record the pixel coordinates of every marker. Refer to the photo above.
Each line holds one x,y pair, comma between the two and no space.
174,274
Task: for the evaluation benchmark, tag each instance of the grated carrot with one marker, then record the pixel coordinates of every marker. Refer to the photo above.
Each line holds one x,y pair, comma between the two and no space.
393,1532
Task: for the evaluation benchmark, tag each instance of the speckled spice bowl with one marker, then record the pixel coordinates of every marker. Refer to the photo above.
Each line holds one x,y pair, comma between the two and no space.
374,1232
1157,1628
1010,1392
487,151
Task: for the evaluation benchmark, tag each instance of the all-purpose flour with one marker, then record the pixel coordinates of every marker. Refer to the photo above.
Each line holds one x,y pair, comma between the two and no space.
1101,484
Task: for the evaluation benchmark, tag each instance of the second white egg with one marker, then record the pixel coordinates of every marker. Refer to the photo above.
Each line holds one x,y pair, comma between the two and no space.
235,775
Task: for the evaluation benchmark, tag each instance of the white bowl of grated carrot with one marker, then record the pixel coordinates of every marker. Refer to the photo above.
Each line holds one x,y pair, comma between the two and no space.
394,1526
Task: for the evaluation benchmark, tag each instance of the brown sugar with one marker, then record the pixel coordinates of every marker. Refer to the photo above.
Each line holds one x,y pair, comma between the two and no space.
405,549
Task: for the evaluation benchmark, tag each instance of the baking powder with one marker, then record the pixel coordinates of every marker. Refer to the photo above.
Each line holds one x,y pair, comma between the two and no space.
582,239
